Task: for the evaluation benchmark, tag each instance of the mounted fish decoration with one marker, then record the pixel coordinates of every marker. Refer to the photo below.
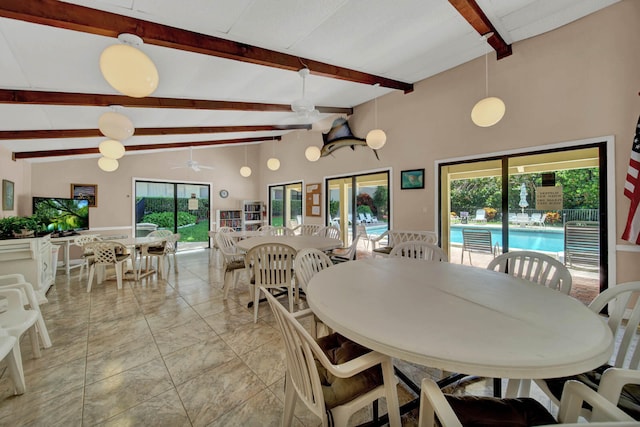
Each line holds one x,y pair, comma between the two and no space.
340,136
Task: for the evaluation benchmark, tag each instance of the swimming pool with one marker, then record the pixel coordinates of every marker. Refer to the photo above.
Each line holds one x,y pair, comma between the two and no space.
547,240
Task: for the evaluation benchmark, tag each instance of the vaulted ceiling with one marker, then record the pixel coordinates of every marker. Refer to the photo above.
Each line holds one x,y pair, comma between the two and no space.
228,68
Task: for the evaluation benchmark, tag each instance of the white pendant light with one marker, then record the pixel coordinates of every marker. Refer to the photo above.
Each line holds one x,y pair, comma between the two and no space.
245,170
112,149
116,126
312,153
127,69
273,163
376,138
107,164
489,110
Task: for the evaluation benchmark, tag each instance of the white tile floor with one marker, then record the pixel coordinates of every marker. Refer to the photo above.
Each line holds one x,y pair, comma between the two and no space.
159,353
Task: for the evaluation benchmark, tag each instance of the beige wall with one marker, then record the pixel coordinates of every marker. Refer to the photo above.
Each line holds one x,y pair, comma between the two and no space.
115,188
579,81
20,174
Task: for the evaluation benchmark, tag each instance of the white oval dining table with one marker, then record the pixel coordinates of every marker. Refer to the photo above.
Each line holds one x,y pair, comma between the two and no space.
460,318
296,242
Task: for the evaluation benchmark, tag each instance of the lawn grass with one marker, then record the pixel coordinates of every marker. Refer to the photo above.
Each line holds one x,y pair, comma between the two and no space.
195,233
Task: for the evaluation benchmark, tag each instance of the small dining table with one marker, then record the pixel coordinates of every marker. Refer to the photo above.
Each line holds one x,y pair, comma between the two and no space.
296,242
133,243
460,318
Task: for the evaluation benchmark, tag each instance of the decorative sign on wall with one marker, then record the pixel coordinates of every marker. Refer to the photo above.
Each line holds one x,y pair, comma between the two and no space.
549,198
313,200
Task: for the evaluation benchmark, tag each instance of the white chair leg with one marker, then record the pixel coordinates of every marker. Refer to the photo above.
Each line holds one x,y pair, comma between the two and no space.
119,268
35,342
290,295
391,393
256,301
92,271
290,398
226,285
42,330
14,367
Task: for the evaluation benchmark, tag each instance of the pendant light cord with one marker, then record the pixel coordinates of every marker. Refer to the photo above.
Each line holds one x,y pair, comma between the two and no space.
486,73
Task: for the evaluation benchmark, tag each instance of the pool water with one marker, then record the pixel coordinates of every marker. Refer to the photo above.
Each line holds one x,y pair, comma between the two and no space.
547,240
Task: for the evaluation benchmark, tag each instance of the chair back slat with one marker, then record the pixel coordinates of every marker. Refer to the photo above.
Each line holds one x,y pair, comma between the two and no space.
330,231
535,267
308,262
105,252
623,302
271,263
308,229
419,250
280,231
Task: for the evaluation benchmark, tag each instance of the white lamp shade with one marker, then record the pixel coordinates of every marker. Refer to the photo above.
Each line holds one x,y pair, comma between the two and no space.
245,171
115,126
107,164
312,153
488,111
376,139
111,148
129,71
273,164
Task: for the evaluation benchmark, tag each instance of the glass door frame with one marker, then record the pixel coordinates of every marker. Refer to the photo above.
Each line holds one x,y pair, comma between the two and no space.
286,202
354,199
606,147
175,183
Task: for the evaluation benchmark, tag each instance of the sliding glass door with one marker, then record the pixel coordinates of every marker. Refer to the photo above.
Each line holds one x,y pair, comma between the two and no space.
285,204
180,207
368,205
549,201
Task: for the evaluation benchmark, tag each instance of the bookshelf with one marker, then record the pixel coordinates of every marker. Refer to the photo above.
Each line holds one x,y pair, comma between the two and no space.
229,218
252,214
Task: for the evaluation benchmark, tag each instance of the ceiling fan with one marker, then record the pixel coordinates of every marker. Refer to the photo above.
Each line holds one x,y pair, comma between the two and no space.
192,164
304,107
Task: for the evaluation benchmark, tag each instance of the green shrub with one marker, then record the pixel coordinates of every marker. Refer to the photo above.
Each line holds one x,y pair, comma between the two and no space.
165,219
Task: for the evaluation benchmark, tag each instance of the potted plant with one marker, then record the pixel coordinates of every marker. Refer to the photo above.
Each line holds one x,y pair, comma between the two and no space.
17,226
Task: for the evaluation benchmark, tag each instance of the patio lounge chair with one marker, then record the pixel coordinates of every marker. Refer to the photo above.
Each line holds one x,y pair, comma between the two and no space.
477,240
582,244
362,218
537,219
480,216
370,219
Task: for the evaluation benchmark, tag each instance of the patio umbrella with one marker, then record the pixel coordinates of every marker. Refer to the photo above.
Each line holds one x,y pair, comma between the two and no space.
523,197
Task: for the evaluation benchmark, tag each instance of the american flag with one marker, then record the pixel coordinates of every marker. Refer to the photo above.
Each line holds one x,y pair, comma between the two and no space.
632,191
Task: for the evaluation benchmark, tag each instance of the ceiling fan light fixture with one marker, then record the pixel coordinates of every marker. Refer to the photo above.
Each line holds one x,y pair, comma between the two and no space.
273,164
127,69
116,126
111,149
107,164
245,171
376,139
312,153
488,111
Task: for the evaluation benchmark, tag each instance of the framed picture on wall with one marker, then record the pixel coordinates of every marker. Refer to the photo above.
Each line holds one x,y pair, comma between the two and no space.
7,195
412,179
85,192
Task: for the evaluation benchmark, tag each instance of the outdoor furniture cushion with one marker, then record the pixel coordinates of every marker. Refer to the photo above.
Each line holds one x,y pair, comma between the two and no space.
629,398
481,411
383,250
338,391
